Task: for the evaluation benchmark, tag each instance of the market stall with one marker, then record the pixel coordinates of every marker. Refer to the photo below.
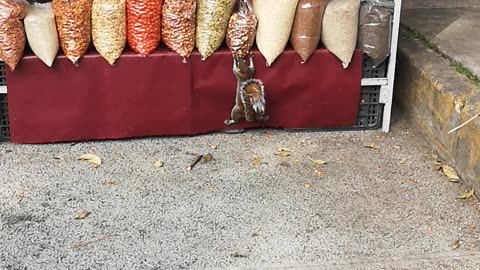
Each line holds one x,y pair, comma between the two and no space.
137,86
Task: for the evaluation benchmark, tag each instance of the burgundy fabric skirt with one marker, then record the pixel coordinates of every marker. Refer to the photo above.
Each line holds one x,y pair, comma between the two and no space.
159,95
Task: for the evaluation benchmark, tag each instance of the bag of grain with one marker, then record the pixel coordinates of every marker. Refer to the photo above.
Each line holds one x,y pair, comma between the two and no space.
109,27
42,32
144,25
340,28
374,30
275,20
73,18
178,26
307,27
212,22
242,28
12,32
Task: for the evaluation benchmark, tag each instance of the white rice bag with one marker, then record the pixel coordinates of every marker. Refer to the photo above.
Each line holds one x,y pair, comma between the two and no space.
340,28
275,21
42,32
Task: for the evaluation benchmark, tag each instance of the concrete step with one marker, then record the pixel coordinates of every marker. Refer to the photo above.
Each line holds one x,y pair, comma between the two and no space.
416,4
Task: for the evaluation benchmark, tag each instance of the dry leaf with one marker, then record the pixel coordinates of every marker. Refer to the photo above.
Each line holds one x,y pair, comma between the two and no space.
207,158
397,147
429,229
467,195
306,185
317,161
283,154
403,161
213,146
111,182
450,173
82,214
256,161
158,164
372,146
456,245
92,159
319,172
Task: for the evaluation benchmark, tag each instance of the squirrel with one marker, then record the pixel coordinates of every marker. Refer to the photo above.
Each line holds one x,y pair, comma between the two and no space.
250,95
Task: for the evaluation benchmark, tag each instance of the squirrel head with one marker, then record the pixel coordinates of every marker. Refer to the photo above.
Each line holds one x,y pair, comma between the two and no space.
241,69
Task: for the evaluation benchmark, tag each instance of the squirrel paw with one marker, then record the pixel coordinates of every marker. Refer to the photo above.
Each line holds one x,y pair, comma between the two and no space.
230,122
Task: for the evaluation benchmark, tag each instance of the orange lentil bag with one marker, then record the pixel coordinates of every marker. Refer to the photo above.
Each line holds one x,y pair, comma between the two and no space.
178,26
74,27
144,25
12,32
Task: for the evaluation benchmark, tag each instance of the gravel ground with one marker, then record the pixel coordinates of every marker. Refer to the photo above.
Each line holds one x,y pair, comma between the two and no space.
385,207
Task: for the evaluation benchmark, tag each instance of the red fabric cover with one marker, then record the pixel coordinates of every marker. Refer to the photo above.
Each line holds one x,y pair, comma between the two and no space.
159,95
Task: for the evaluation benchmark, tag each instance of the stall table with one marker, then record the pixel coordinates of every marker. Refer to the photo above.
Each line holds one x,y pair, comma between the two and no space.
159,95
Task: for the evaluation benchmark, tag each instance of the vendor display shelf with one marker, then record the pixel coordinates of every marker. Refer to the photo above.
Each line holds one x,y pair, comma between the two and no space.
375,104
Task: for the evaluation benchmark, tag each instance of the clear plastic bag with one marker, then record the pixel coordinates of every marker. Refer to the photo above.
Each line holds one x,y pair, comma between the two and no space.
375,29
42,32
109,27
242,28
212,22
275,21
12,32
144,25
178,26
307,27
74,27
340,29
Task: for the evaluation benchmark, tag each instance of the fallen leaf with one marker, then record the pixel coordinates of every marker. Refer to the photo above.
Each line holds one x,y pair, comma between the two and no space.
82,214
403,161
397,147
306,185
467,195
429,229
213,147
59,157
456,245
207,158
450,173
111,182
158,164
283,154
317,161
92,159
372,146
256,161
319,172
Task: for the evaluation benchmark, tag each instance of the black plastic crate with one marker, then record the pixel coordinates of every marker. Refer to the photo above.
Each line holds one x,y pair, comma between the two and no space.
370,71
3,75
370,111
4,125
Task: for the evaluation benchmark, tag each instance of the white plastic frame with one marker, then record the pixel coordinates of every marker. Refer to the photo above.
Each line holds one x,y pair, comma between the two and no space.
386,84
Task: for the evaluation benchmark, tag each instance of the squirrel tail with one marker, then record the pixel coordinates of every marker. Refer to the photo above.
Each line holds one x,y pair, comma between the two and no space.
253,94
